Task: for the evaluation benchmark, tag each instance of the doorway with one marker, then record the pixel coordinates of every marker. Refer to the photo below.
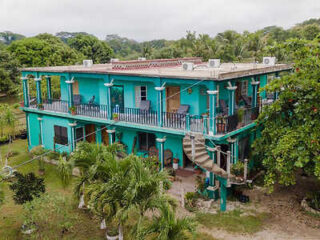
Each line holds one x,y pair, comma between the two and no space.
117,97
75,88
105,137
90,133
173,99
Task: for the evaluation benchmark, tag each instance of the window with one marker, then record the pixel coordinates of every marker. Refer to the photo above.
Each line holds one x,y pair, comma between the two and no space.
140,94
244,88
61,135
146,140
79,134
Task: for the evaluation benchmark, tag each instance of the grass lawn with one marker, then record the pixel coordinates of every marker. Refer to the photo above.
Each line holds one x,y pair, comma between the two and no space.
11,215
234,221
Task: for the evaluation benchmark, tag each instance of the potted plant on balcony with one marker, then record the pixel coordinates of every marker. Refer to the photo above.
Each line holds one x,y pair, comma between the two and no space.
40,106
175,164
115,116
221,125
73,110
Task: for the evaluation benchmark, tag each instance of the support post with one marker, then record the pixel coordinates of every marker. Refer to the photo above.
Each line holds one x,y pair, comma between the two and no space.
218,156
73,135
255,85
232,142
228,167
49,91
70,92
111,137
205,125
109,110
232,102
25,91
160,105
98,135
161,151
38,86
41,132
211,189
245,171
276,94
188,122
223,195
212,111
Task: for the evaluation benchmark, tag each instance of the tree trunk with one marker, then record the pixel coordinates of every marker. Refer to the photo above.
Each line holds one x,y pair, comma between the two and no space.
120,232
103,224
81,203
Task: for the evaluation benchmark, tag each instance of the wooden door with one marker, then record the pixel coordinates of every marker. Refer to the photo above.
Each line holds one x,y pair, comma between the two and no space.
173,98
105,137
75,88
91,138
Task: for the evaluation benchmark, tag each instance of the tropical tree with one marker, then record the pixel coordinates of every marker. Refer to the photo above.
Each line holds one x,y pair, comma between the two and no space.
43,50
91,47
167,227
8,72
290,136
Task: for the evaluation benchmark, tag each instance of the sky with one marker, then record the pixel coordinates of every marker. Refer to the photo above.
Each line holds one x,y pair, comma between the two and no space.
151,19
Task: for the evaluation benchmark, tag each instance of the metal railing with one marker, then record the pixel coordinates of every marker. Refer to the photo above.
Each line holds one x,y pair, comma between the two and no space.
241,118
136,115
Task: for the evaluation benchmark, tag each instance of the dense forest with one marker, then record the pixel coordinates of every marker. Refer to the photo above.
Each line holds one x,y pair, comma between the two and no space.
72,47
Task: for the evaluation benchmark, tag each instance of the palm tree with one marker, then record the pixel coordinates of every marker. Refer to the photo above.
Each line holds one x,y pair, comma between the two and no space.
167,227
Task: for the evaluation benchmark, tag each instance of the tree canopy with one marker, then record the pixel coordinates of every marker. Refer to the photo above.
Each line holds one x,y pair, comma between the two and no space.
91,47
290,137
43,50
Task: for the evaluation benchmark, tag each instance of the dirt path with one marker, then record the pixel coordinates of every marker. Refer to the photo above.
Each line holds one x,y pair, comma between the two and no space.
287,219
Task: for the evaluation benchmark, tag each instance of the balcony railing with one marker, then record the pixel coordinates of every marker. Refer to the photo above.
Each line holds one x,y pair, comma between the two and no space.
241,118
184,122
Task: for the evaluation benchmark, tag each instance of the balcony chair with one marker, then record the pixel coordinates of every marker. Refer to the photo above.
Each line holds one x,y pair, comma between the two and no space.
247,101
144,106
183,109
77,99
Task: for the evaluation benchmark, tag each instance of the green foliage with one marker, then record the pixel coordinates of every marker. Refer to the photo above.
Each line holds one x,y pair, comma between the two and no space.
26,187
313,199
9,72
43,50
65,171
191,200
50,213
91,47
290,137
233,221
237,169
8,121
7,37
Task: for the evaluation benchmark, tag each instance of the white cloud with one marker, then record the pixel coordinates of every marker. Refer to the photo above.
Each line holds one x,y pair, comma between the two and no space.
151,19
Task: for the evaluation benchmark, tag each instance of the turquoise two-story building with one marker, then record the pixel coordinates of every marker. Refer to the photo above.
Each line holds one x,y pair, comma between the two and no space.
184,111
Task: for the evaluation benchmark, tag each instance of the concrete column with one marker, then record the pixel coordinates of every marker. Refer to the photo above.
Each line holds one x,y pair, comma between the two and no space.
25,91
49,91
41,132
211,174
111,135
255,85
218,155
98,135
73,136
70,92
109,110
161,151
223,194
233,150
212,111
160,105
38,86
232,100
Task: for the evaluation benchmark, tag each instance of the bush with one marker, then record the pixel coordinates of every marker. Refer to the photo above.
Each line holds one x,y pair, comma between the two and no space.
26,187
237,169
313,200
50,214
191,200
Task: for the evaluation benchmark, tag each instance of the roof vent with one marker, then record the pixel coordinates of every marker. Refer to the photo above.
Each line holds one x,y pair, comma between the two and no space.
114,60
142,59
271,61
87,63
187,66
214,63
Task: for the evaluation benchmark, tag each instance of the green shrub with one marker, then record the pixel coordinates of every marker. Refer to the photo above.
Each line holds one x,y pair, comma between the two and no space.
313,199
50,214
191,200
237,168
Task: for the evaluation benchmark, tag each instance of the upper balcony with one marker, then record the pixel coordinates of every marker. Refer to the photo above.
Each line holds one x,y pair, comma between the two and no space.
180,120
